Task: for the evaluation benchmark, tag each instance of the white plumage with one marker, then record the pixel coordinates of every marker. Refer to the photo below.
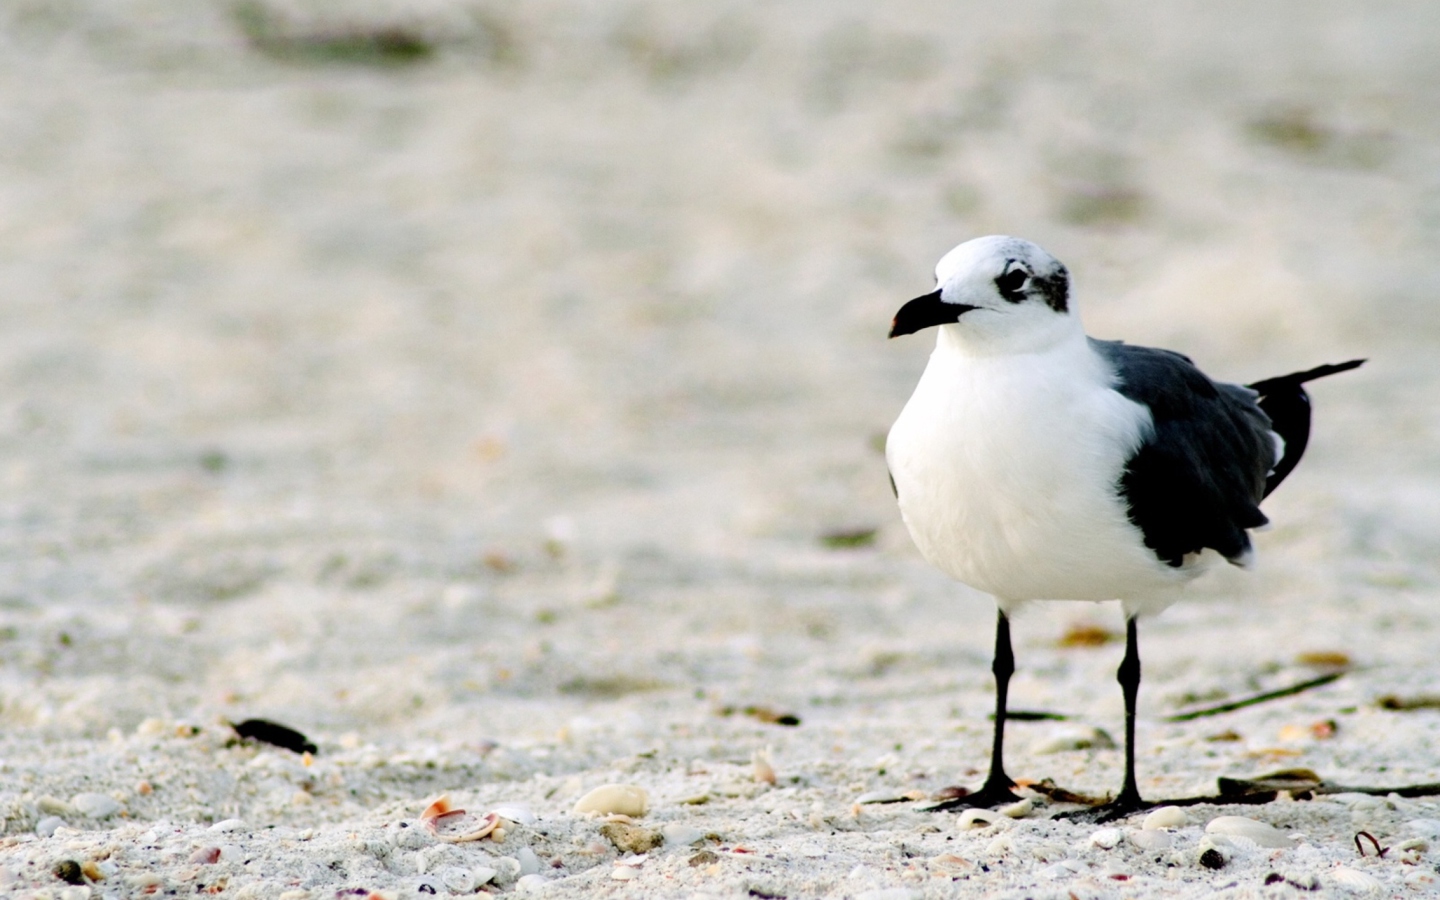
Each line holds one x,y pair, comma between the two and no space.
1035,463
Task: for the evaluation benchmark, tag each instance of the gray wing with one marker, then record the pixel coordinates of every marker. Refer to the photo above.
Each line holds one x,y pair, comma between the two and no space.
1198,480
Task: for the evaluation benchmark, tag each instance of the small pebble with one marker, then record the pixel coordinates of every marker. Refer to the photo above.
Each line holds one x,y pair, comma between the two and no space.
68,871
1166,817
977,818
1211,858
95,806
1107,838
1240,826
46,826
610,799
703,858
631,838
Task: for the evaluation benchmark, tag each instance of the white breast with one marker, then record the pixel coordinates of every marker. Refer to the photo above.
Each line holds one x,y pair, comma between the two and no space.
1007,468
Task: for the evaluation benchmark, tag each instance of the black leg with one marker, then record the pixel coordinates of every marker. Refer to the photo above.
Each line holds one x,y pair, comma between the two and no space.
1129,678
996,789
1129,799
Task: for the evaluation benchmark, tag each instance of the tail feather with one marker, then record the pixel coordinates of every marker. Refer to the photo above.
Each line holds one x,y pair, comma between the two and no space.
1284,400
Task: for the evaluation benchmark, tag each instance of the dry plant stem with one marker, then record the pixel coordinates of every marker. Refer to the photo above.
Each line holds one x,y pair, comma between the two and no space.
1258,698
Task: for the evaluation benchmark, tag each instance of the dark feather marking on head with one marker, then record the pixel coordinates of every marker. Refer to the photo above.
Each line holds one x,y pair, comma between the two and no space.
1198,478
1055,288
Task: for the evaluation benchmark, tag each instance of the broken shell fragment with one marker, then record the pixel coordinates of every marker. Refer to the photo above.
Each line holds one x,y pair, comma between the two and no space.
977,818
1150,839
608,799
1019,809
764,768
440,813
1107,838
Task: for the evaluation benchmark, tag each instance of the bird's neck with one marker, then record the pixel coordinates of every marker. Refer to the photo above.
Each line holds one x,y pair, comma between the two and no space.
981,338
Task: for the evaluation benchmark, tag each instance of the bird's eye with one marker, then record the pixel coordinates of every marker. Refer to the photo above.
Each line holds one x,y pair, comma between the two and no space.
1012,284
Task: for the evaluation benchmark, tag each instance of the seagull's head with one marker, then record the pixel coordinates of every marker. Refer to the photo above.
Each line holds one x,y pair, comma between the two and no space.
998,291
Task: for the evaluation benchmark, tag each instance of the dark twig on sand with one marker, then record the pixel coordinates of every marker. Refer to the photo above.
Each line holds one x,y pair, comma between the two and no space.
1258,698
1360,848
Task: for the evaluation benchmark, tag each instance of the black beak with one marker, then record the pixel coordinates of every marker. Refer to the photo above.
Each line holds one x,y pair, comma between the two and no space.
924,312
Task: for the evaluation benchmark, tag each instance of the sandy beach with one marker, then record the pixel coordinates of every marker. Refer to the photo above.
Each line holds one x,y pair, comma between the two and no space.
494,393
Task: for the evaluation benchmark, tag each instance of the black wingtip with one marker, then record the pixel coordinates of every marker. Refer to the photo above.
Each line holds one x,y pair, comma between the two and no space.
1295,379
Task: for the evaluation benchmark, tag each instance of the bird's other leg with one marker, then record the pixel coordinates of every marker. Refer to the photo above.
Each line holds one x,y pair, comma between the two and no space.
1128,800
996,789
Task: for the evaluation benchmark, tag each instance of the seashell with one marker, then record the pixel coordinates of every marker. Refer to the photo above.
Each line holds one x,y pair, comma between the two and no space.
53,806
972,819
1055,872
1166,817
528,883
483,874
1426,827
1074,738
622,799
227,825
764,769
1354,880
1259,832
529,862
1150,839
1000,846
951,861
95,806
1107,838
880,797
623,873
440,811
682,834
205,856
1421,878
1019,809
47,826
438,807
515,812
458,880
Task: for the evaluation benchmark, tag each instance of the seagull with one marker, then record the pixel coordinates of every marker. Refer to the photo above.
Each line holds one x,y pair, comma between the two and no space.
1035,463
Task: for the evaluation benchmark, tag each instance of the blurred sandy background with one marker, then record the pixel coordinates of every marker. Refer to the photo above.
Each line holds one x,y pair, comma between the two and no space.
440,374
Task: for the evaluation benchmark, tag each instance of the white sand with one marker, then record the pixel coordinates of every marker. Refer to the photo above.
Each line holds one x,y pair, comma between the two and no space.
480,419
